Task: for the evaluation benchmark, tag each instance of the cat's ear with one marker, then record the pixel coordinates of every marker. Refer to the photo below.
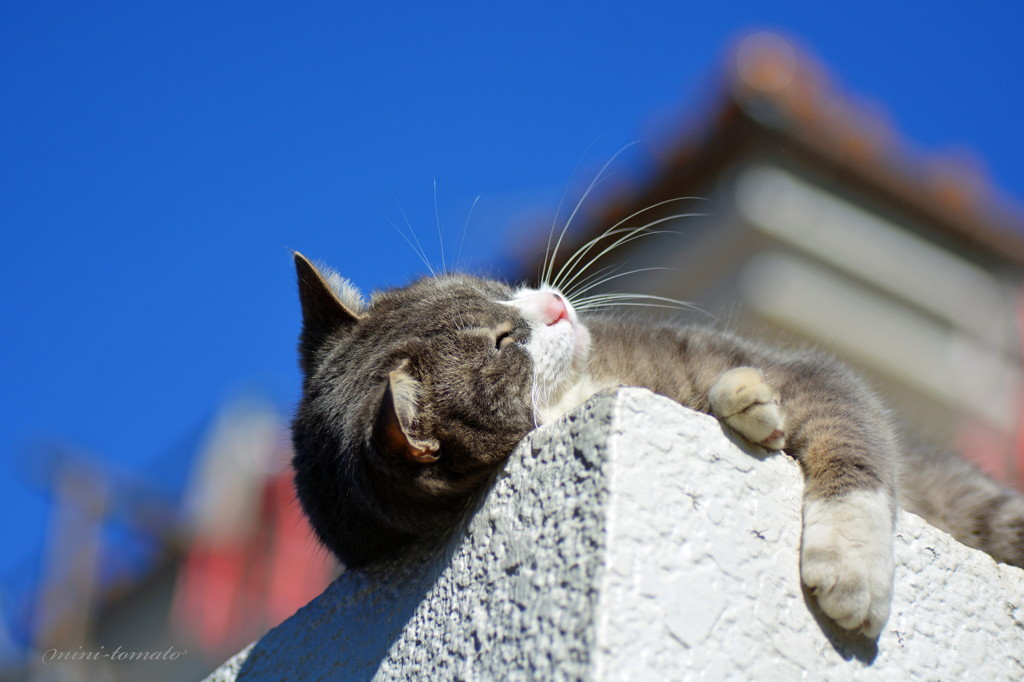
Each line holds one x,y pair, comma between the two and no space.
399,409
323,307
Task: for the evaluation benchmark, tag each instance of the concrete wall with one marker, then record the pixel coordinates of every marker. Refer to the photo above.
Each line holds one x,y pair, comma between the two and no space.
634,541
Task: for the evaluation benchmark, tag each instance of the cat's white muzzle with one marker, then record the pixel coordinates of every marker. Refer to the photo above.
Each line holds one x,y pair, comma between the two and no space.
553,321
558,343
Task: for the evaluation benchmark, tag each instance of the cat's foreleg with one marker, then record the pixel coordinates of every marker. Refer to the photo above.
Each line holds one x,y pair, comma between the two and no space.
847,451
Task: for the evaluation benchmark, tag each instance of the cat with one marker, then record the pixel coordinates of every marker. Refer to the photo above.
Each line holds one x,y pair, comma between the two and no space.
412,400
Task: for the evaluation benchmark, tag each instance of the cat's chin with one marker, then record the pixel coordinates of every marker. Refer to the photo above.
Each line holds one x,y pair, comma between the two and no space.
581,345
580,333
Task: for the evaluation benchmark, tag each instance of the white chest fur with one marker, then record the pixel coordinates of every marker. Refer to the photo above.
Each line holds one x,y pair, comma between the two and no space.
574,396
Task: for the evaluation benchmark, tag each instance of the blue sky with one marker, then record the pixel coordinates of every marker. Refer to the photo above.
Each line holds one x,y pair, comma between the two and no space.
158,160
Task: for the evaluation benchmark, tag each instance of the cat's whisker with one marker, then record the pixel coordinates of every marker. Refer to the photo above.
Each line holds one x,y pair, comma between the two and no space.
632,304
571,292
605,280
605,306
554,253
613,230
636,300
579,205
602,297
535,398
440,237
575,258
548,256
416,248
631,234
536,401
459,265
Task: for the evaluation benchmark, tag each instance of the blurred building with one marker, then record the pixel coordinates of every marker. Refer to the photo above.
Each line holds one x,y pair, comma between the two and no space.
145,581
817,224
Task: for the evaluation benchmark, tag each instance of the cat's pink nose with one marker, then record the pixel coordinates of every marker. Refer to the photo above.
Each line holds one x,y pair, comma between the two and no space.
555,310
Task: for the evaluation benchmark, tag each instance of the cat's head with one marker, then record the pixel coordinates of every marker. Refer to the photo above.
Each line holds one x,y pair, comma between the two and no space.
411,399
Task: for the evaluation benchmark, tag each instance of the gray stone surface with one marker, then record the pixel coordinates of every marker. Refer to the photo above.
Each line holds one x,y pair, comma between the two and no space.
634,541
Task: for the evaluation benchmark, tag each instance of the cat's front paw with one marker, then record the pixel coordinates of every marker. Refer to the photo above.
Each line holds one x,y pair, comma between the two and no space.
846,559
743,400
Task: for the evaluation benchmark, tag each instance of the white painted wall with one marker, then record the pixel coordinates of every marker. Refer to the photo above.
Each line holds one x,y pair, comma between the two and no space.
635,541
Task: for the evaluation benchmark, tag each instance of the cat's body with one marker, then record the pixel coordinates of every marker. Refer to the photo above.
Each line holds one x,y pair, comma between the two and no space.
411,402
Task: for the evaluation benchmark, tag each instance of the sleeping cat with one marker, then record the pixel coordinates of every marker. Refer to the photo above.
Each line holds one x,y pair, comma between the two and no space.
413,400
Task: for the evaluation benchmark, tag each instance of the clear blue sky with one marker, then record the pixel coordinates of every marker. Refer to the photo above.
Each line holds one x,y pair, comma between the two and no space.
157,160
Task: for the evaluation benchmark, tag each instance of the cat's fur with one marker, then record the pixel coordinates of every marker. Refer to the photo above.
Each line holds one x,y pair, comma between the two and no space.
412,401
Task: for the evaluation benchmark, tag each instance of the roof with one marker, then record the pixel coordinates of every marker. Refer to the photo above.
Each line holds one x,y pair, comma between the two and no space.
774,92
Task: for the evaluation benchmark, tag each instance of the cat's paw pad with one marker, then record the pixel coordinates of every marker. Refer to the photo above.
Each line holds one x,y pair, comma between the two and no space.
846,559
743,400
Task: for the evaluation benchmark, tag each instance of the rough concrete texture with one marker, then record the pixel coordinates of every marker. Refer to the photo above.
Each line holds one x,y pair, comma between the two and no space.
634,541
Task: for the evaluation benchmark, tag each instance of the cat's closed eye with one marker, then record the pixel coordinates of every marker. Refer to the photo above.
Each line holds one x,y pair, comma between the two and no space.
503,339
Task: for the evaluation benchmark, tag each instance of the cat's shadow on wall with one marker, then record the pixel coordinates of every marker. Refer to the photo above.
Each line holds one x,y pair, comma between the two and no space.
756,451
847,644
